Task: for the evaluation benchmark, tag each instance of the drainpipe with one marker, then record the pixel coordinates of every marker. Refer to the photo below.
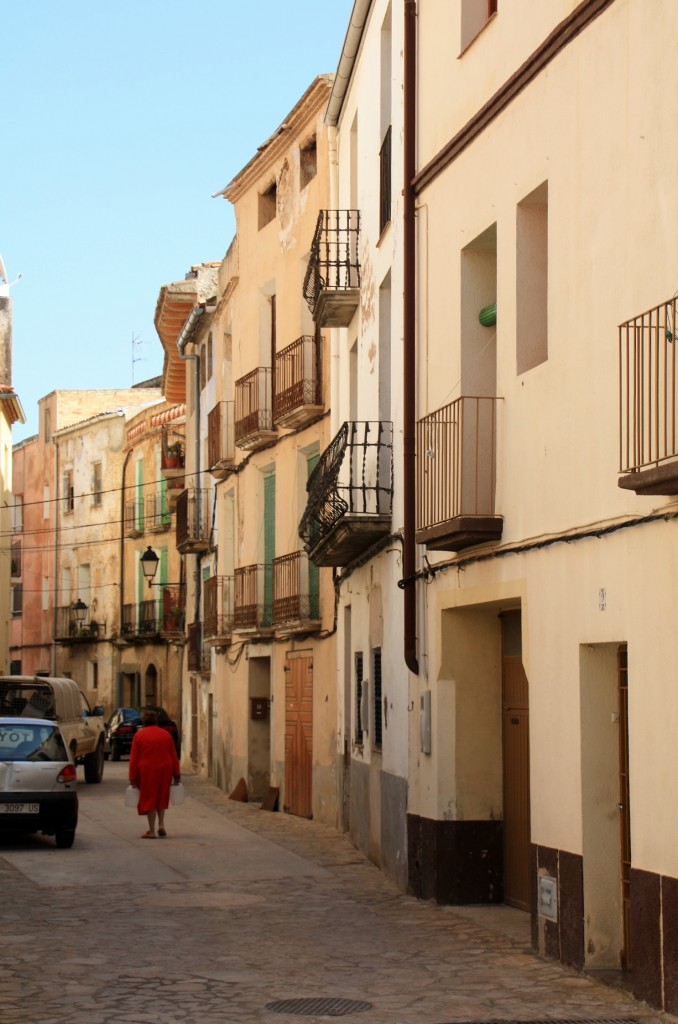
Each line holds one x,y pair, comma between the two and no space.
409,337
56,554
122,538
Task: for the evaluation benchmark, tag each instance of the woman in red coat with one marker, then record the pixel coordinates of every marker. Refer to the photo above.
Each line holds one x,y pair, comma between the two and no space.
153,767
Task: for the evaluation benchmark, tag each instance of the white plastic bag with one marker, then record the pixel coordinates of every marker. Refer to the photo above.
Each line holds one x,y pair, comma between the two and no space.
131,796
177,794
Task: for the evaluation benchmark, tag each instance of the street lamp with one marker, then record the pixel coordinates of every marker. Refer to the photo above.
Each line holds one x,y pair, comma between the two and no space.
80,609
149,564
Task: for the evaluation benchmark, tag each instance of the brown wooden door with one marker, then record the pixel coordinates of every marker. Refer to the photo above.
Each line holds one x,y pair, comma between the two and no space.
299,735
624,802
516,755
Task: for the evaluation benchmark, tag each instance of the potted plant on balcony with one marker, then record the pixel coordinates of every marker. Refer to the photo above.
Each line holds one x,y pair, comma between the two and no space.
174,456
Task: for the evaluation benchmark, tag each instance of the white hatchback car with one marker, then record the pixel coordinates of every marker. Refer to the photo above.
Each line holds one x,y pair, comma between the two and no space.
38,781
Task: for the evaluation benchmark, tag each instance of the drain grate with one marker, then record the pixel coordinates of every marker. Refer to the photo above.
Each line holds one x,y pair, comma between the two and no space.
559,1020
321,1007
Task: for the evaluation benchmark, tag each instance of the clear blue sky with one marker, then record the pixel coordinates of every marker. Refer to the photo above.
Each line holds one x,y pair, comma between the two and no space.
118,122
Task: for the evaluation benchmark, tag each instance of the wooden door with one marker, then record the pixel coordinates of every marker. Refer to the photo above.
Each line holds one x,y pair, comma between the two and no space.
299,735
516,757
624,801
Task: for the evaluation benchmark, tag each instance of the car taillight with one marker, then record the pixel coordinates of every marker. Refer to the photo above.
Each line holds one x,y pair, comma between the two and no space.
68,774
125,729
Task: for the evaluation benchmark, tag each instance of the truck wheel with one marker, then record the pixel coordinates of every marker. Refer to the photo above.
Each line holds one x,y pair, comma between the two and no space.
115,751
94,764
64,838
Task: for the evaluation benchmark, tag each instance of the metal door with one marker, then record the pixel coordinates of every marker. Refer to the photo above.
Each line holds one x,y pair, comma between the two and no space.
624,802
299,734
516,755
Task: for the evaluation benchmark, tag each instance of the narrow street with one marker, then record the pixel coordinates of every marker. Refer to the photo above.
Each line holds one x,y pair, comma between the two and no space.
238,909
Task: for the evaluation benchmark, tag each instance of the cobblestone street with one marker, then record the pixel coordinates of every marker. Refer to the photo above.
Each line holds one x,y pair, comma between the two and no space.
238,909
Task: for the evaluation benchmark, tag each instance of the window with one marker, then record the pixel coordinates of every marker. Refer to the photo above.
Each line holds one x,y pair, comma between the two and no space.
48,424
17,601
69,493
267,205
16,559
203,366
210,356
532,280
97,485
17,513
359,697
94,675
385,181
308,162
385,123
376,698
475,14
45,502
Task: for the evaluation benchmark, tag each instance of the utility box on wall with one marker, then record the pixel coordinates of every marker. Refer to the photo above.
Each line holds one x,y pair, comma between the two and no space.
259,709
425,722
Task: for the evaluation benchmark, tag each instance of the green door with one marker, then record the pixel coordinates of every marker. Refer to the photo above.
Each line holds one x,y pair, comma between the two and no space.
269,546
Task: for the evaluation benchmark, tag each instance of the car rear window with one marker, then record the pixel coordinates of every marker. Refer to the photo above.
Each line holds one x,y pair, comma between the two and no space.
28,700
31,743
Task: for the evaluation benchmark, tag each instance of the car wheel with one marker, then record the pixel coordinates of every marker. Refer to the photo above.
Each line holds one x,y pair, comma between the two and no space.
64,838
94,765
115,751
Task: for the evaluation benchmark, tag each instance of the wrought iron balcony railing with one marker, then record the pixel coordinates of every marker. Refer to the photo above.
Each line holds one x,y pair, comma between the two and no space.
67,628
296,597
253,597
219,597
332,281
254,409
298,382
158,516
157,618
134,517
193,521
648,401
456,474
350,494
221,439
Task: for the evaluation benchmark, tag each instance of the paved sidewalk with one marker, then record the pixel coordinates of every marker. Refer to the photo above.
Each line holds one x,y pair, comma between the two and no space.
221,952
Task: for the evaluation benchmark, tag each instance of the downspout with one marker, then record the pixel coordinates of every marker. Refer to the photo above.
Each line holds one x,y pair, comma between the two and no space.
409,338
122,538
56,555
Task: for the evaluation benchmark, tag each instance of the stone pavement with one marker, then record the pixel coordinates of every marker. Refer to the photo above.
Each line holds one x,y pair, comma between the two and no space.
221,952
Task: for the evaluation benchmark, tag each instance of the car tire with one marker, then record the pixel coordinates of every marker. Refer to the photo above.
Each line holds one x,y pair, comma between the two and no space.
64,838
94,764
115,751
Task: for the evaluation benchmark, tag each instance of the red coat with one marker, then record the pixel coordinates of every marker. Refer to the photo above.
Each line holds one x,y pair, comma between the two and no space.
153,763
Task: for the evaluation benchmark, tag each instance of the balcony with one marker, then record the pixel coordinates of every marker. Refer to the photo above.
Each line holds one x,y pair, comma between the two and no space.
221,440
332,281
298,383
156,619
253,597
193,521
68,630
254,409
456,472
296,602
172,464
134,517
158,517
648,406
199,656
350,494
219,596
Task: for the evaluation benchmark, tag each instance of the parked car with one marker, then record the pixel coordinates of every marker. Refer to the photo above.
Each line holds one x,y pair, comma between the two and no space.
38,780
123,724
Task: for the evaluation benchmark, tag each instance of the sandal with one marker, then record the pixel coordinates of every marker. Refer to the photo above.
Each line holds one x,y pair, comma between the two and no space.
162,833
148,835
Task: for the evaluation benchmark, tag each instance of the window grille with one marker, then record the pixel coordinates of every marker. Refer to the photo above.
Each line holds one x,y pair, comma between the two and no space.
358,696
376,690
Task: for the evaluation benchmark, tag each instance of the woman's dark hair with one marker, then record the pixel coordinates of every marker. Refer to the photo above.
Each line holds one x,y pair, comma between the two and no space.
149,718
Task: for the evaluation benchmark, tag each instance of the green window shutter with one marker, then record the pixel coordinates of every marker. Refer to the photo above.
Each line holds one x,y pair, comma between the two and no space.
313,571
269,546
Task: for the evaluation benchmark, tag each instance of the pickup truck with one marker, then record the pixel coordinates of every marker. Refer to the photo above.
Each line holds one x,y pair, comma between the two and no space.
62,701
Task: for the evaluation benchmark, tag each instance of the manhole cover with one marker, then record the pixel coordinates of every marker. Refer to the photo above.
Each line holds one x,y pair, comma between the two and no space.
319,1007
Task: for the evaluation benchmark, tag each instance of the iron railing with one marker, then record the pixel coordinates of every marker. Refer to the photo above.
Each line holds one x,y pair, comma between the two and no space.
220,436
298,378
295,589
219,596
158,516
134,517
456,461
67,626
163,616
193,519
173,450
354,477
253,404
334,263
648,388
253,596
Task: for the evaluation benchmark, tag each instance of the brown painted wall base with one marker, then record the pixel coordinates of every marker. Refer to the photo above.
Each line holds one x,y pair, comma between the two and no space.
562,939
455,862
654,939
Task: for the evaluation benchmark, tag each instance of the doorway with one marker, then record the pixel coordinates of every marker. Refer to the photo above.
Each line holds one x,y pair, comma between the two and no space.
515,764
299,734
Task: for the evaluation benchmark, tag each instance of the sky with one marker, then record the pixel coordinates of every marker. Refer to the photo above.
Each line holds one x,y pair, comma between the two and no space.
118,123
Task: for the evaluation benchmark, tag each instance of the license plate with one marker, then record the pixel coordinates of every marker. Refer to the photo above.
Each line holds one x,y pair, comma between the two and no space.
19,808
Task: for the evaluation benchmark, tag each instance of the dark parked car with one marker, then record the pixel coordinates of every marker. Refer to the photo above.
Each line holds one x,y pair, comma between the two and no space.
123,724
38,781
